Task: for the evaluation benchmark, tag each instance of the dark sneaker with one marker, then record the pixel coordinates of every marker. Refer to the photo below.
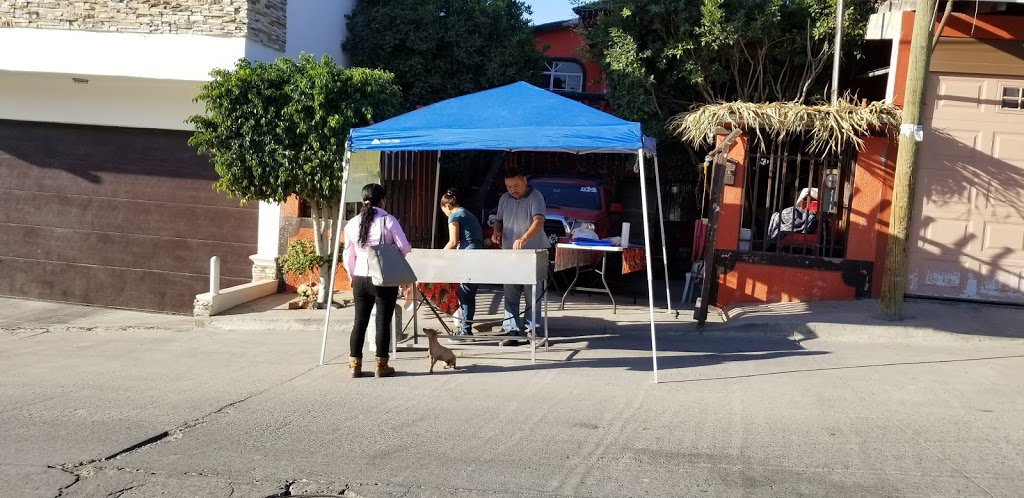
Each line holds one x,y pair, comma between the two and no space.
510,342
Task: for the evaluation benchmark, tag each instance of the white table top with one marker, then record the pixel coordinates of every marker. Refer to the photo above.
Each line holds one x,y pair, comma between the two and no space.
592,248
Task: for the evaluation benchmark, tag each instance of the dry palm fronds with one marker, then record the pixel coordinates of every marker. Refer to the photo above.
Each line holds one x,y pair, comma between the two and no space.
831,128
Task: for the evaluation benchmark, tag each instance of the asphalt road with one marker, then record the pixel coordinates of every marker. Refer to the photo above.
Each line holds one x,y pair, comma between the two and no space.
165,410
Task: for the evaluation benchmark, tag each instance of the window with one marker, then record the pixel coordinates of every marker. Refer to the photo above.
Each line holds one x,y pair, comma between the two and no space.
796,201
1013,98
564,76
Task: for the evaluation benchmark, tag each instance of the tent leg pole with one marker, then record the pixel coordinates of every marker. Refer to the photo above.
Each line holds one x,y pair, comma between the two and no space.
437,200
533,322
415,314
334,254
546,341
647,254
664,243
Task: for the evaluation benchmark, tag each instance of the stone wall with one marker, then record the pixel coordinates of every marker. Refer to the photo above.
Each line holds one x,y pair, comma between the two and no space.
263,21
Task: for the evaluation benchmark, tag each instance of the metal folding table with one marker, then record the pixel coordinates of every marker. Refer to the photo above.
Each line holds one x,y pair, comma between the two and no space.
527,267
603,251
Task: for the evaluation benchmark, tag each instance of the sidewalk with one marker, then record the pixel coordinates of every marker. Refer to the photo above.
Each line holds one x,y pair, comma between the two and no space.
839,320
861,320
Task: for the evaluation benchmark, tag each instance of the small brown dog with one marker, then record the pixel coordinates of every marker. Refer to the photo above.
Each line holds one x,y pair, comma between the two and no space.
437,352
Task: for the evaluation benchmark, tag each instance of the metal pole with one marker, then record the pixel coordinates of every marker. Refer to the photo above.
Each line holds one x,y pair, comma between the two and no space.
437,201
546,339
647,252
337,244
415,314
838,52
664,244
214,276
533,322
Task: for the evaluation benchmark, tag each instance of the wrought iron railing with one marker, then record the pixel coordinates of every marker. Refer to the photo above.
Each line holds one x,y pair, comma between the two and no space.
795,200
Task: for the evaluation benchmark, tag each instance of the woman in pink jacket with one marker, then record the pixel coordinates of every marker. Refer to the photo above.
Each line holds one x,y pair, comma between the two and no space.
373,226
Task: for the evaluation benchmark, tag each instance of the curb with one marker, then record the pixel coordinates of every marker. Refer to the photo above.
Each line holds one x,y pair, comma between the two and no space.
856,332
268,325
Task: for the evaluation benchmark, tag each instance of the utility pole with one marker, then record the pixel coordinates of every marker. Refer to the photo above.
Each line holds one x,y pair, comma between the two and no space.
837,54
894,281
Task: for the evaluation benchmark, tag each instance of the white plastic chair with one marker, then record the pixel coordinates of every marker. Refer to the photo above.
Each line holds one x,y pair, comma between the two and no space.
690,285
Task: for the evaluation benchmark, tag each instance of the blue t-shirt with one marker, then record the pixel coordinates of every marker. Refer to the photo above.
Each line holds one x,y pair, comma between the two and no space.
470,233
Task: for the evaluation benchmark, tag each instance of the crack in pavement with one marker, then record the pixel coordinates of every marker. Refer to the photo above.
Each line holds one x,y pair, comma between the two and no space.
286,490
37,331
118,493
324,487
86,468
63,489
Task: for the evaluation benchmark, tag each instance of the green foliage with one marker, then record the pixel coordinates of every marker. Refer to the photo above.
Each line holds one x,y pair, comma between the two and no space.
438,49
664,56
301,259
277,129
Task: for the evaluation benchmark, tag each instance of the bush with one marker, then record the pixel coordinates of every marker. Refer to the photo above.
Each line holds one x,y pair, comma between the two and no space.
302,260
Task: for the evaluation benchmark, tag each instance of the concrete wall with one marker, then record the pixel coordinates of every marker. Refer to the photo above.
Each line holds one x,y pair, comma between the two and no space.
984,27
185,57
103,100
261,20
566,43
318,27
165,47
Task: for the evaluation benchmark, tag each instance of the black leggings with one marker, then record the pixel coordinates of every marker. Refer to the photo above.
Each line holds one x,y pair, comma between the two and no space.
366,295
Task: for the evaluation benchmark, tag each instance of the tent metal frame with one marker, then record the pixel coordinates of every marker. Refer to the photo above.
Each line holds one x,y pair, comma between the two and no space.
645,150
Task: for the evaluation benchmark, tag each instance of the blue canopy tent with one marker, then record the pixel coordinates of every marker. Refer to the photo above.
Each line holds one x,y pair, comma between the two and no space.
515,117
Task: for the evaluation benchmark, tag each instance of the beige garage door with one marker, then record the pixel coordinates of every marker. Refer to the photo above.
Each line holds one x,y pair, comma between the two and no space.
967,236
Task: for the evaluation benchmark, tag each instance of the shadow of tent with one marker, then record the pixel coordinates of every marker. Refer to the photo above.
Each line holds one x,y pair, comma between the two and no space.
597,343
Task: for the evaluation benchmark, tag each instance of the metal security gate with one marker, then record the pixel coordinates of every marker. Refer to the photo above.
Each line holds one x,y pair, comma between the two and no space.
796,200
409,178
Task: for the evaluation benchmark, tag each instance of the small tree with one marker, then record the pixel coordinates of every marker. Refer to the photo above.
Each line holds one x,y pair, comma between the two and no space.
662,57
302,261
439,49
273,130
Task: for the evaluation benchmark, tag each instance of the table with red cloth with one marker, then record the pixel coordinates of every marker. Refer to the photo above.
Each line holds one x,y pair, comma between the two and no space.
633,258
586,256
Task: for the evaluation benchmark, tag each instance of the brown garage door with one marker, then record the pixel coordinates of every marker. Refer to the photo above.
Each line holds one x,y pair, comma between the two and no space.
968,227
115,217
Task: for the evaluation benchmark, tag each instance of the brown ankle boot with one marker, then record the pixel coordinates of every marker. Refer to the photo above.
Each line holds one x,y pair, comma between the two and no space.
355,367
381,368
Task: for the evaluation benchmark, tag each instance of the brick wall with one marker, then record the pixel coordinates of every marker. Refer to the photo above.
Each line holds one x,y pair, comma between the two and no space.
263,21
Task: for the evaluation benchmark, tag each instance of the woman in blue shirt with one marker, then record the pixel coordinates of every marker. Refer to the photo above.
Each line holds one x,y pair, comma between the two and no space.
464,232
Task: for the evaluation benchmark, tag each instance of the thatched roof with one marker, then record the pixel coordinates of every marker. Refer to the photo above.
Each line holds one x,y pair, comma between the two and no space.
831,128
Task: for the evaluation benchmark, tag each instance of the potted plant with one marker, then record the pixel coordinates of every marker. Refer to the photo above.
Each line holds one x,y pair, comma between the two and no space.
302,261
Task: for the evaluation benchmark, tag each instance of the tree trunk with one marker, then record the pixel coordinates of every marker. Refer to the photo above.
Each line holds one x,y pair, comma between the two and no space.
322,241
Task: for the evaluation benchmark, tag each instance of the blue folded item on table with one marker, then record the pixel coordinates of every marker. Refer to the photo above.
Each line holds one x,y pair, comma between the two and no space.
591,242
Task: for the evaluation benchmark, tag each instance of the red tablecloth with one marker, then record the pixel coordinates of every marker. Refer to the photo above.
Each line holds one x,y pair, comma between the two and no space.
633,258
445,297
